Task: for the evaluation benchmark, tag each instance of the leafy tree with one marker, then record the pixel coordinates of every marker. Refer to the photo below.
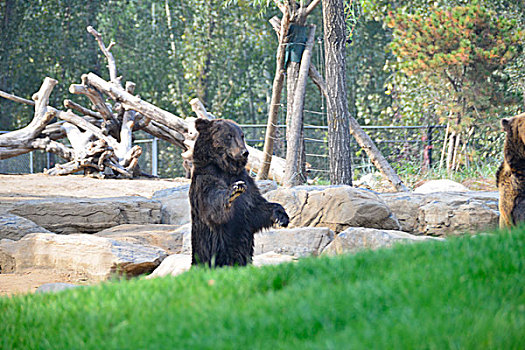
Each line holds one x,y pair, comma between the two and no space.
459,54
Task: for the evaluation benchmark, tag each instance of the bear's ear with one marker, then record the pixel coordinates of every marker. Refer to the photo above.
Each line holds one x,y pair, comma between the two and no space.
202,124
505,123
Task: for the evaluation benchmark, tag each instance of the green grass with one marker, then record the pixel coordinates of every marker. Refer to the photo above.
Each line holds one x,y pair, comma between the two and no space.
465,293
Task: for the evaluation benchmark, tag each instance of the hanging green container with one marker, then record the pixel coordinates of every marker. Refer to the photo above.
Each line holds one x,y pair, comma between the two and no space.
298,35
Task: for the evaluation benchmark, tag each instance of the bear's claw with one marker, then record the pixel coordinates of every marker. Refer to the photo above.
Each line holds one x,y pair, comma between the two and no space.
279,216
237,189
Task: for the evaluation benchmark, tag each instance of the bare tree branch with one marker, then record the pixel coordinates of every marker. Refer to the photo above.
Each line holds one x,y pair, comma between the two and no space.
16,98
112,66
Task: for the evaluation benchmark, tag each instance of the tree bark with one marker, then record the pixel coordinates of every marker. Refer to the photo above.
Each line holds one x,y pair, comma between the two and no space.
295,173
19,141
275,102
337,104
340,123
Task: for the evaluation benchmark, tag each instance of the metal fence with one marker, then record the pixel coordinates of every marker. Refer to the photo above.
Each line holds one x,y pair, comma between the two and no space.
417,145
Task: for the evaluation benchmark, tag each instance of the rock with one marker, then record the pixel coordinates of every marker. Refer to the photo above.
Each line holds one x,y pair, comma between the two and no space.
405,207
185,231
455,215
15,227
266,186
166,237
355,239
98,258
173,265
54,287
442,185
370,181
335,207
88,215
175,205
271,258
444,213
297,242
7,262
176,264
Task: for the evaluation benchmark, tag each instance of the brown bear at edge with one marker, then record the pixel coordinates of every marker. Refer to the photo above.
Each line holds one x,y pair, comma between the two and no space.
510,177
226,205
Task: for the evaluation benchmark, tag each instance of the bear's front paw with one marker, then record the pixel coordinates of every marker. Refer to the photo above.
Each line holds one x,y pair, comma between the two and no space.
237,189
279,215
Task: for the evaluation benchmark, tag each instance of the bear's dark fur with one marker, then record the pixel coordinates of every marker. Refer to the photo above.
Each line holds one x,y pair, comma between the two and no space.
226,205
510,177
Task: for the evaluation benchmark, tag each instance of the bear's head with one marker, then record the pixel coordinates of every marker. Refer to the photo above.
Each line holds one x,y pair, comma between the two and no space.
515,139
220,142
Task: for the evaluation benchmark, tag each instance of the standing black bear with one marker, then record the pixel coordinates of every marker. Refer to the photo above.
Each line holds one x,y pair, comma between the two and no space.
226,206
510,177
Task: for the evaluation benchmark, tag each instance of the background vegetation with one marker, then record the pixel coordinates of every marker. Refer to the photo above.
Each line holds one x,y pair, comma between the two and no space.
223,52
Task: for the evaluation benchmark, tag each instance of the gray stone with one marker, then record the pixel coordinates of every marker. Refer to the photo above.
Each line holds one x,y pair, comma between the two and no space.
175,205
176,264
335,207
7,262
272,258
185,231
15,227
405,206
355,239
88,215
296,242
453,216
266,186
441,185
98,258
55,287
166,237
445,213
173,265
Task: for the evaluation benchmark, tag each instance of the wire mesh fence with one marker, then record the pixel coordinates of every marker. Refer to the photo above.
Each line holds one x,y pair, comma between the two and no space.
417,145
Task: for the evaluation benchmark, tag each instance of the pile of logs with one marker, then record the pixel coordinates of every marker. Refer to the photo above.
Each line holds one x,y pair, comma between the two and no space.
101,136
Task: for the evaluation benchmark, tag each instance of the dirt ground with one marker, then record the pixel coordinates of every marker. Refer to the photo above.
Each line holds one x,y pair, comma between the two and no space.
34,186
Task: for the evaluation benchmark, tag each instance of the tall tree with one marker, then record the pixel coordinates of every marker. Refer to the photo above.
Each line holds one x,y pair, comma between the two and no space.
458,54
337,103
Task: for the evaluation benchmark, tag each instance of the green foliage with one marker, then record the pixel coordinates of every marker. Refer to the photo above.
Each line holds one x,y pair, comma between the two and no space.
465,293
459,55
223,54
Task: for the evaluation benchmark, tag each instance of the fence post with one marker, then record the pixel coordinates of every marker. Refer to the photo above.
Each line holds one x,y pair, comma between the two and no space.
154,157
429,145
31,170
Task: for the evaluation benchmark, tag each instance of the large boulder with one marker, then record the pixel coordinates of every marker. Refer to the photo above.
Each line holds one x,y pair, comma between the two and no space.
176,264
355,239
173,265
166,237
88,215
444,213
15,227
335,207
441,185
297,242
96,258
175,205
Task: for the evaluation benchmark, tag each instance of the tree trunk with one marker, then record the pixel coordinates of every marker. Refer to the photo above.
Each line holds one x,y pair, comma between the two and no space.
277,88
337,104
295,173
340,123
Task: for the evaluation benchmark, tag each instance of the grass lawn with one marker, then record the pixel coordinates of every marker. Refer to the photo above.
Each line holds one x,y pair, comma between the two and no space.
466,293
